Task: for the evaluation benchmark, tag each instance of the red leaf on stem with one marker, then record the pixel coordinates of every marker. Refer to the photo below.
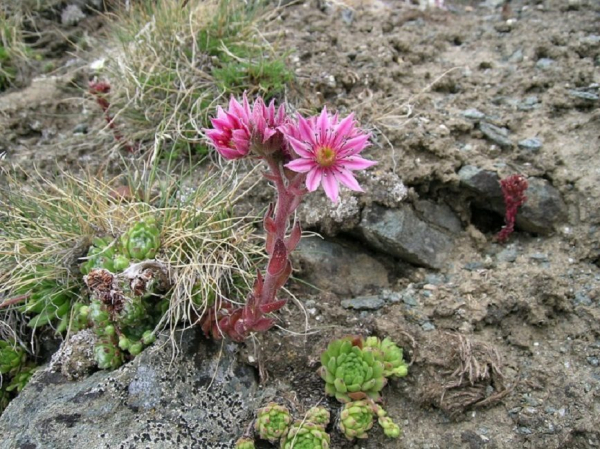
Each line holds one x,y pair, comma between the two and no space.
270,243
272,306
263,325
278,260
284,276
258,286
268,222
294,237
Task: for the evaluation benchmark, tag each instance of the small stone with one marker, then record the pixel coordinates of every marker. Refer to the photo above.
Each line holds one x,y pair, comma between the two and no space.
593,361
524,431
428,326
533,144
495,134
583,95
516,57
472,266
581,299
529,103
508,254
545,63
539,257
473,114
363,303
82,128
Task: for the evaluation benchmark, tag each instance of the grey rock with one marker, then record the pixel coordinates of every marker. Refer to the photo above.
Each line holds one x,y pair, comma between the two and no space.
545,63
495,134
542,211
539,257
516,57
508,254
341,269
72,15
363,303
583,95
439,214
582,299
82,128
593,361
196,398
533,144
473,266
544,208
484,183
529,103
401,233
473,114
428,326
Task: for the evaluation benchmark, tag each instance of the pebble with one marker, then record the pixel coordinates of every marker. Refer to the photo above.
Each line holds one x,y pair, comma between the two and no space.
584,95
496,134
545,63
473,114
363,303
581,299
529,103
539,257
593,361
472,266
532,144
524,431
508,254
82,128
427,326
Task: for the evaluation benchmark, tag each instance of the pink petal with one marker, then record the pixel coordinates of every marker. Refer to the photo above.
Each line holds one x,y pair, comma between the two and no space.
355,145
301,165
306,131
345,177
299,147
313,179
355,163
342,130
331,186
268,133
229,153
323,125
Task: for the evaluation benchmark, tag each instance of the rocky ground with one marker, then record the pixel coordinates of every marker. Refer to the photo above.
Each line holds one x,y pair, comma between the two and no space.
503,339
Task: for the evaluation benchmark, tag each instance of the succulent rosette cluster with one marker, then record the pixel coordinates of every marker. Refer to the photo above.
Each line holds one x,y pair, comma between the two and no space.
244,443
301,154
272,422
305,435
15,371
390,354
318,415
355,371
356,419
351,373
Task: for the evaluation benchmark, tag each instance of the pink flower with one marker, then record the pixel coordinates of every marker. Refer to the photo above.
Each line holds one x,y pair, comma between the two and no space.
242,130
265,124
231,133
327,148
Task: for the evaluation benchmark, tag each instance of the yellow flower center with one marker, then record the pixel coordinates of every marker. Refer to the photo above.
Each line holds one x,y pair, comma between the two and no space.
325,156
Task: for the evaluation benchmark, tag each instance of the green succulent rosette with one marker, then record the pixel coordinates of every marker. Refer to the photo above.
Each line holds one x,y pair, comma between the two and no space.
11,357
272,422
47,301
244,443
21,379
142,240
107,354
104,253
390,354
356,419
351,373
390,428
305,435
318,415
